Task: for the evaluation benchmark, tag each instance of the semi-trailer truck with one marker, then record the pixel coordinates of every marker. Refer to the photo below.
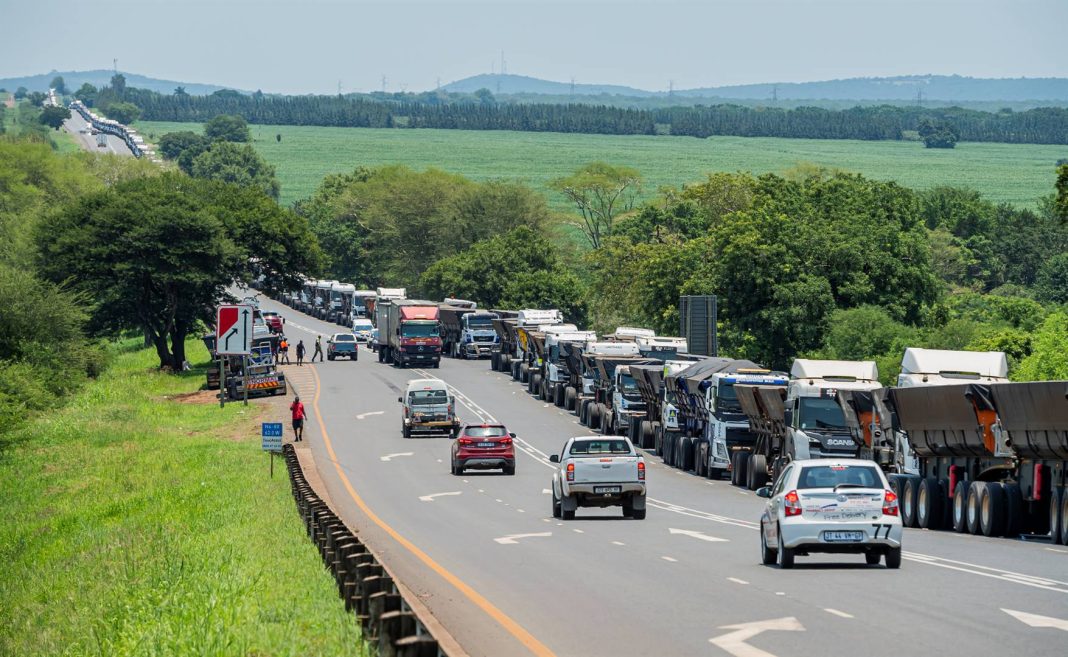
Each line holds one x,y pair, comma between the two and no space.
467,332
409,332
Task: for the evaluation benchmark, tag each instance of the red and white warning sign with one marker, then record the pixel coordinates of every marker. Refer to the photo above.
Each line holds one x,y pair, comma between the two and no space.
233,329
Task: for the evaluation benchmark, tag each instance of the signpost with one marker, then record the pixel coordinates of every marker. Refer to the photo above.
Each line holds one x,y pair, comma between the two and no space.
233,337
271,433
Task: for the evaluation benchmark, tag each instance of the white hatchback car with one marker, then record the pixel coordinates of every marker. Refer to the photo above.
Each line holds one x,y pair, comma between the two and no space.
830,505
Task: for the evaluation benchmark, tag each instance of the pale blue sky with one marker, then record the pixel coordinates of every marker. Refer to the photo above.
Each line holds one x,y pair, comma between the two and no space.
308,46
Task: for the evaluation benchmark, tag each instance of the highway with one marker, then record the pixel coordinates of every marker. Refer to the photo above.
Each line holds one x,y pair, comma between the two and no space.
505,578
75,124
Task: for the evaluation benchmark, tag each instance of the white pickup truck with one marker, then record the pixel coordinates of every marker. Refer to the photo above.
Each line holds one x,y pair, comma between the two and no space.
598,471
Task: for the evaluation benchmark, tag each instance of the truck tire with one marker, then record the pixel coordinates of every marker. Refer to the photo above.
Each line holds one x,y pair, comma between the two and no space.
406,431
569,398
593,418
556,506
1056,509
608,422
684,458
910,489
975,492
700,458
559,395
1014,511
758,470
645,434
929,500
741,468
584,412
960,507
495,360
535,383
992,509
524,373
1064,518
381,356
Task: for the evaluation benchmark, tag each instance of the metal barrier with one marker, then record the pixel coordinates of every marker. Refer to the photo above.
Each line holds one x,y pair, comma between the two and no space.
382,606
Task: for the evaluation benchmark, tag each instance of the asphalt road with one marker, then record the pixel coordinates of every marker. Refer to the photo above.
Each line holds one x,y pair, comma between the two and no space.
75,124
685,581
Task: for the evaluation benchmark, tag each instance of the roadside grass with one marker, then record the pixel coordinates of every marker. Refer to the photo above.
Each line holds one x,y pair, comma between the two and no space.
136,524
1014,173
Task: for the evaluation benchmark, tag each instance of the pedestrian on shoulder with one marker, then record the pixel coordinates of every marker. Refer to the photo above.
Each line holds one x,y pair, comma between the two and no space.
300,352
318,349
283,350
297,410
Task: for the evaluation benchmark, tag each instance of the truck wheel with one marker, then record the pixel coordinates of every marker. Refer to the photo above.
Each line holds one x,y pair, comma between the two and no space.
1056,510
929,504
524,373
569,398
872,558
960,507
972,513
406,431
1014,511
684,461
494,361
992,509
582,410
515,369
910,488
893,558
638,514
560,396
658,438
594,416
608,422
758,468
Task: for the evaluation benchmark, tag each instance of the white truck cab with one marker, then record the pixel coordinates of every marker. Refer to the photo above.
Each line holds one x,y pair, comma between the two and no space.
555,369
662,347
616,349
727,427
817,425
631,333
937,367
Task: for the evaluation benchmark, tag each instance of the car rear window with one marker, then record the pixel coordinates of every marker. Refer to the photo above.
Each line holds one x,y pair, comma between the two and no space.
428,397
829,476
486,432
344,337
580,447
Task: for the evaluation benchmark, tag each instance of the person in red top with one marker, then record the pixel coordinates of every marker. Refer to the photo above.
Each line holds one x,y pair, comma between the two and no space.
297,409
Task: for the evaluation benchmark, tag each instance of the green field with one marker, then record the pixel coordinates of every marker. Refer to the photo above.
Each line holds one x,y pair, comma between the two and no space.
1017,174
141,520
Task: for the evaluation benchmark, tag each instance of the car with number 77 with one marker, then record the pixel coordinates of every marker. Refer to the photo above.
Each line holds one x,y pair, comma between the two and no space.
837,506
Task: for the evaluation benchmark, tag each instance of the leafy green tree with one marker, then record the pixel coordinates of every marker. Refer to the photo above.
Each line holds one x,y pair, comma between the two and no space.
118,85
227,127
1049,352
601,192
1061,203
173,144
236,163
938,134
36,98
1052,283
864,332
20,93
58,84
180,91
125,113
53,117
86,93
157,254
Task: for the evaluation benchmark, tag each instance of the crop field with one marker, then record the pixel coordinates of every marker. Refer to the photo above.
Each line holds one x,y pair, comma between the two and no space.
1014,173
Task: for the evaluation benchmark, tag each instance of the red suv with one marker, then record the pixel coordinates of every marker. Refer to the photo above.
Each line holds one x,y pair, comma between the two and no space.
483,447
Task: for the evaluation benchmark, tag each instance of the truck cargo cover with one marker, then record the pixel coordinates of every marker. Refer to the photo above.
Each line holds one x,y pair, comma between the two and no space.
451,316
1035,415
649,379
941,420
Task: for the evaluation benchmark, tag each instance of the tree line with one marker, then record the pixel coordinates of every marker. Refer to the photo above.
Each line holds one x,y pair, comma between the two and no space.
1045,125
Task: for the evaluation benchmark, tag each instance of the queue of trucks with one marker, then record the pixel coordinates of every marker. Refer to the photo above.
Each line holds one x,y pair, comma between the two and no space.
962,447
102,125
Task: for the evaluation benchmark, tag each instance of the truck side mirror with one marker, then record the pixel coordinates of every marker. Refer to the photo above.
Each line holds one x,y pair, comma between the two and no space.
554,458
511,435
788,417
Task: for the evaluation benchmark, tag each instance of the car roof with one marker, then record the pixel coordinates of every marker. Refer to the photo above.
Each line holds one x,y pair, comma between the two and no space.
483,426
804,462
600,437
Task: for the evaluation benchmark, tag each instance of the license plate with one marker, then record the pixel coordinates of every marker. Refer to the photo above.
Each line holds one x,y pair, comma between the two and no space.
487,444
607,489
843,537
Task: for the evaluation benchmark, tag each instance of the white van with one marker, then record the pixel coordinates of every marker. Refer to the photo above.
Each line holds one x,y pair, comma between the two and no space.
428,407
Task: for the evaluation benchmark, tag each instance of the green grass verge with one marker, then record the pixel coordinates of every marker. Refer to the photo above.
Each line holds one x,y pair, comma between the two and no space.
138,525
1013,173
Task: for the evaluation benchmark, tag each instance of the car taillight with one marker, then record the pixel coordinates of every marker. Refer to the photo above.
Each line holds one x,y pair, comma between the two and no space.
451,409
889,503
791,504
641,470
506,441
465,441
571,472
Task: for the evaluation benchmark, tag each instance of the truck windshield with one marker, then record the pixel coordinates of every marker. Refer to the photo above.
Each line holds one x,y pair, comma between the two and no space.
479,323
661,353
820,413
419,329
362,325
427,397
630,386
727,398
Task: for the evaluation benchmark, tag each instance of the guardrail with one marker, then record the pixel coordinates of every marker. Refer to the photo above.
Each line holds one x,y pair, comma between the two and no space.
390,619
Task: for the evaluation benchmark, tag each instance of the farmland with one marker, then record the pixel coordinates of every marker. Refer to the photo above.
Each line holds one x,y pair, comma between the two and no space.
1013,173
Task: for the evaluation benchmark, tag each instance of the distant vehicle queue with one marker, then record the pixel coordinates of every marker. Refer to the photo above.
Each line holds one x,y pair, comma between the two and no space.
99,125
957,445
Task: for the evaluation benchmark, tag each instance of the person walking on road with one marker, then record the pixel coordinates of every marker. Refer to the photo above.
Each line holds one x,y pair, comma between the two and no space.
283,350
300,352
318,349
297,409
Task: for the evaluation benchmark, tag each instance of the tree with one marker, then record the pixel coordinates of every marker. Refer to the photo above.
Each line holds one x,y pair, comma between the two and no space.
20,93
227,127
937,134
58,84
123,112
236,163
36,98
180,91
1061,203
86,93
118,85
173,144
157,254
54,117
601,192
1052,282
1049,352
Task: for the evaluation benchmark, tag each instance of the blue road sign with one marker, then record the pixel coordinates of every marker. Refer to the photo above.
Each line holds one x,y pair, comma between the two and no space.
272,436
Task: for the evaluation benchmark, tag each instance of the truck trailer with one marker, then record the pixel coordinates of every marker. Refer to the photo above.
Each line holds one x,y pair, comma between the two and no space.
409,332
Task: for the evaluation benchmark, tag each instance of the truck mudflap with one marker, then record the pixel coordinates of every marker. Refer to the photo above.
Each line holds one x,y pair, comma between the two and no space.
1034,416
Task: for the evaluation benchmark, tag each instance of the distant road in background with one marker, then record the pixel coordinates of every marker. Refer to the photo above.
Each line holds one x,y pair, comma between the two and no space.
79,129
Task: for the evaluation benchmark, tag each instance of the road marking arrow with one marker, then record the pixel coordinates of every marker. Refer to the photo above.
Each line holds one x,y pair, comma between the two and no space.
361,416
512,539
735,642
698,535
430,498
1034,620
390,457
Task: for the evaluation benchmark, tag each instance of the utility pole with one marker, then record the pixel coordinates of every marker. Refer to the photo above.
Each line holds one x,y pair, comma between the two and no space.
115,65
671,88
572,88
775,95
383,83
339,87
504,66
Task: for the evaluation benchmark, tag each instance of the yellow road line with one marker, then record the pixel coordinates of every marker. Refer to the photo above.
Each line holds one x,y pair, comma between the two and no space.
513,628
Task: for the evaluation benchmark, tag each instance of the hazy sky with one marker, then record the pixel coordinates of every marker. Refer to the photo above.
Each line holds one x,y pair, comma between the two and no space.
309,45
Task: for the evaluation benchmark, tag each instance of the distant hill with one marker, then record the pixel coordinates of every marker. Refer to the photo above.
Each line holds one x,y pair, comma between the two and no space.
99,78
901,89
